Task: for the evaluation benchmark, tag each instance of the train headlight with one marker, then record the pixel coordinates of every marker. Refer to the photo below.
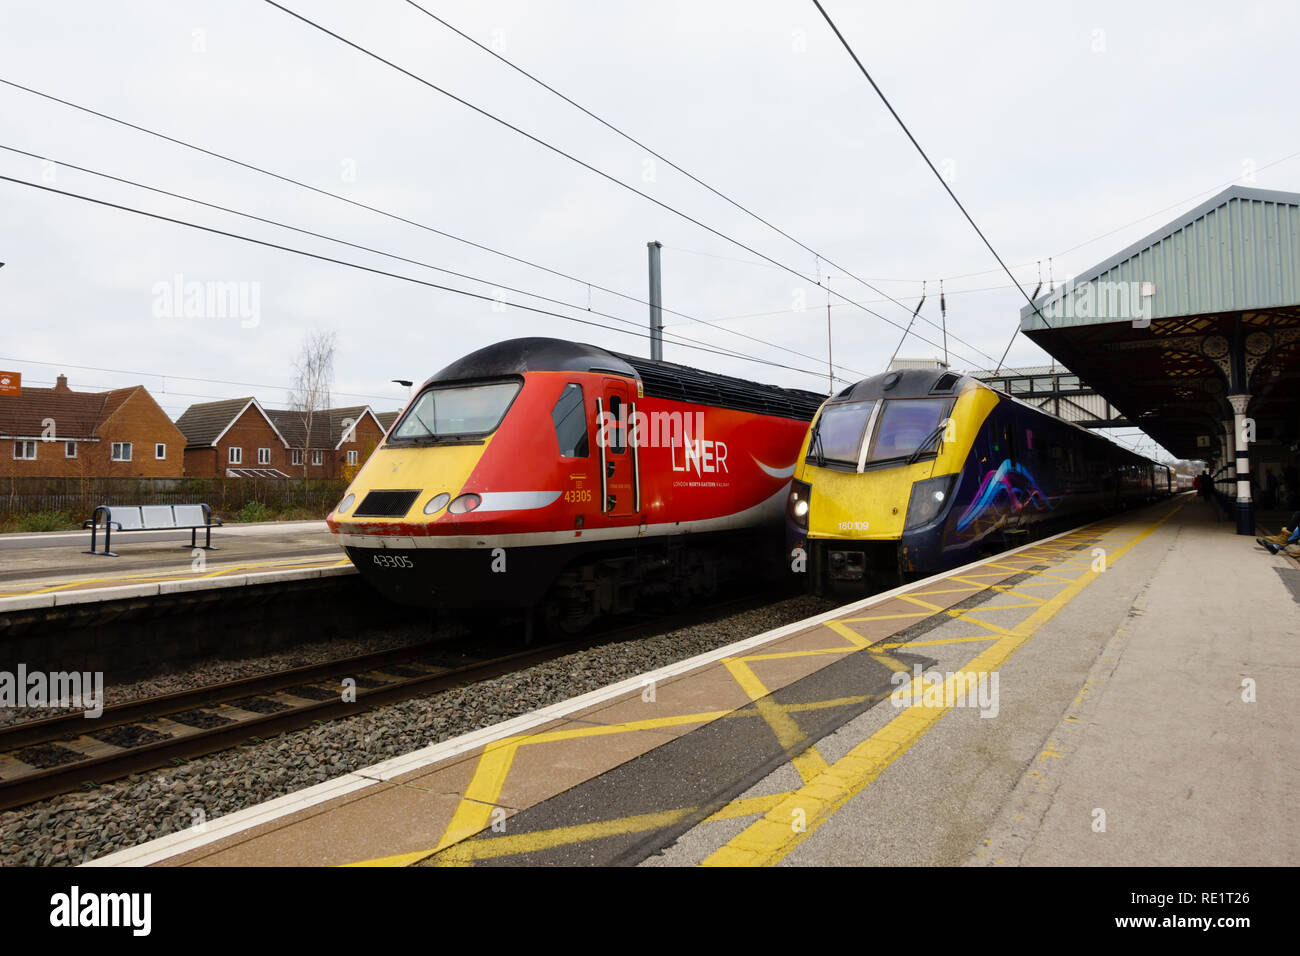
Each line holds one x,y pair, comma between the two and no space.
927,501
799,504
464,504
436,503
346,503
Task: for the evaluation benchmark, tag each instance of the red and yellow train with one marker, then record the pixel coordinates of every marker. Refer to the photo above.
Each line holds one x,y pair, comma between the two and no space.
541,473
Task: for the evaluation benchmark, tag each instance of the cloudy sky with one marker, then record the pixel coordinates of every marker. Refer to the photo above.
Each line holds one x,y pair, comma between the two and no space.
1068,130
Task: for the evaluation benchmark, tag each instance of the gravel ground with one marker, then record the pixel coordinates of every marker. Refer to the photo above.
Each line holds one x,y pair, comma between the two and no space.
215,670
77,827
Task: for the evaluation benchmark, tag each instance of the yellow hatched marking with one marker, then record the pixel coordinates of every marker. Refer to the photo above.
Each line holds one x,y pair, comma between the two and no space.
853,637
748,806
474,812
874,617
973,587
996,629
518,844
932,608
1014,591
783,655
549,839
946,640
771,839
808,762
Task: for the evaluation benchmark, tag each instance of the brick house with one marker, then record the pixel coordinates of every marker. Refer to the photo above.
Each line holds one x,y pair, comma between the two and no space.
233,438
58,433
341,440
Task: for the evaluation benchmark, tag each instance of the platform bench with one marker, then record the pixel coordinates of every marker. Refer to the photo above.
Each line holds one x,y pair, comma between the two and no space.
151,518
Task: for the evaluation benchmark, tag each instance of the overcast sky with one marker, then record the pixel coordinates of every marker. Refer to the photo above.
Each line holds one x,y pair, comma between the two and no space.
1057,123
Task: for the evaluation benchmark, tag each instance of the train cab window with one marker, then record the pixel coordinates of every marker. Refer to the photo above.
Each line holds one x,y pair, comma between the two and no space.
908,426
452,411
570,418
838,434
618,430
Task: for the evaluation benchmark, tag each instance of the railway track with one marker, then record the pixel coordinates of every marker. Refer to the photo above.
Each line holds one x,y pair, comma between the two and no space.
44,758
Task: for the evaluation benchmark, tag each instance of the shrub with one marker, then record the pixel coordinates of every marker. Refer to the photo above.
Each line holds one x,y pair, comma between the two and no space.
302,513
254,511
46,521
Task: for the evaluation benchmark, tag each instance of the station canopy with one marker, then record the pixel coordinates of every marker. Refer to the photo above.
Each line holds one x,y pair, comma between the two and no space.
1206,307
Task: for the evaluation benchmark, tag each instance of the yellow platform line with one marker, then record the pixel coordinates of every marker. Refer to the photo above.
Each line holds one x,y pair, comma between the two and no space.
149,577
789,823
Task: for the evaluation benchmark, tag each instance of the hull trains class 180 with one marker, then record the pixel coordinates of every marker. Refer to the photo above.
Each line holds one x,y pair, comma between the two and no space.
909,473
573,482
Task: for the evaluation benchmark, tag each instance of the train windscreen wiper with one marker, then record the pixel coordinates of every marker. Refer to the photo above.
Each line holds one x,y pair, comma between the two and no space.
920,449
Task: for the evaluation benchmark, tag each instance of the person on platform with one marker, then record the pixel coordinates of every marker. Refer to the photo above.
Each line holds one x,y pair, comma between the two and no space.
1206,486
1288,536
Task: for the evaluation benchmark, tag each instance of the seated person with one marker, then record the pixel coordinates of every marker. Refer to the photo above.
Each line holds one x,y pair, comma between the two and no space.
1284,538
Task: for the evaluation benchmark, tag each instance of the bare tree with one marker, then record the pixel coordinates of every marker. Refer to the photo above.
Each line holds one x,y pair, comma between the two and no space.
313,377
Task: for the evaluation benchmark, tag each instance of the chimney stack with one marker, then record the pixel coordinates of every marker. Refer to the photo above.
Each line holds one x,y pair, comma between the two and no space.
61,384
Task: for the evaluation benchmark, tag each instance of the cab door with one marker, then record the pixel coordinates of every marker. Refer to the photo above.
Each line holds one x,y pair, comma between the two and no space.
617,458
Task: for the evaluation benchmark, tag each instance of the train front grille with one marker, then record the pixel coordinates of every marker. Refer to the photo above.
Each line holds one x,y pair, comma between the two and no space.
386,504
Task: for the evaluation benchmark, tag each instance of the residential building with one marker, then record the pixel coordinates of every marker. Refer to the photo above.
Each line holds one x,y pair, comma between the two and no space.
239,438
331,442
234,438
60,433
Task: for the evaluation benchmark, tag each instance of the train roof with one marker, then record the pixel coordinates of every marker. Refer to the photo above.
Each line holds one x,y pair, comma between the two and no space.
658,379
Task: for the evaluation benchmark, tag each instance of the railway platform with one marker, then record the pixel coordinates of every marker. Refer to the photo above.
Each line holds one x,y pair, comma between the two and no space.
1119,694
51,568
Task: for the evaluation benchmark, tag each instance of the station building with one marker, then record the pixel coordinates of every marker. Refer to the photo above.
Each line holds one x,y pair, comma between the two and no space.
1192,334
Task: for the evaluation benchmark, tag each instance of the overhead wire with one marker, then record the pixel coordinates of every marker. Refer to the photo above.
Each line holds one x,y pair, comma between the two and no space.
375,271
943,182
353,245
397,217
574,159
668,162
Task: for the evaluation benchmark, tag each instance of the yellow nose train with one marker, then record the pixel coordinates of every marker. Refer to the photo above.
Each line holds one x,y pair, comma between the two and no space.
908,473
